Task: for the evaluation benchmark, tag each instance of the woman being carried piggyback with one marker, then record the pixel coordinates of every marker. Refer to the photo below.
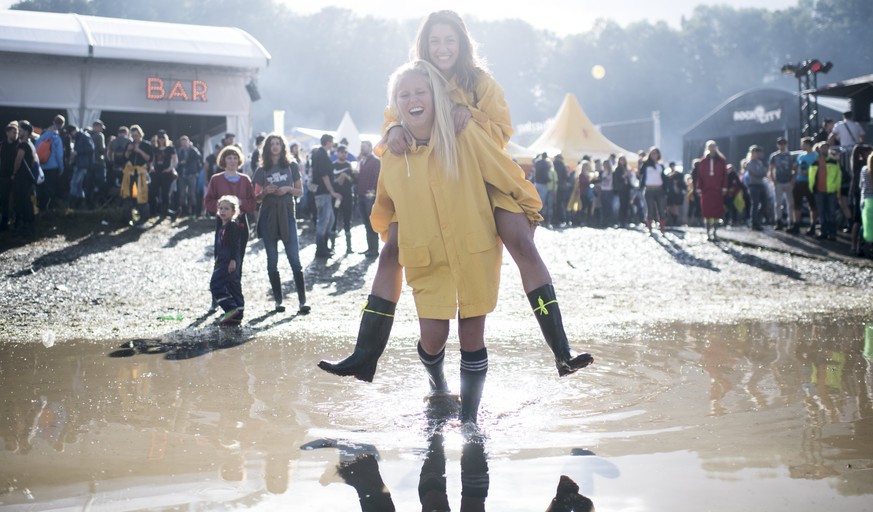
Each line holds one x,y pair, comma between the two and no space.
444,43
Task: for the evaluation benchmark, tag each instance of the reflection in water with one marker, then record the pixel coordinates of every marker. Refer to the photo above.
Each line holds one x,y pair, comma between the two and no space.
568,499
359,468
205,419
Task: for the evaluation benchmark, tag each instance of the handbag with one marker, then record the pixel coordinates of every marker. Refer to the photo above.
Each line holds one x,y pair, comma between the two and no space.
35,171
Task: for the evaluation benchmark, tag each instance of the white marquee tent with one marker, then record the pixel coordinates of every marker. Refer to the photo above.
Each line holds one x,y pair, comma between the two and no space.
85,66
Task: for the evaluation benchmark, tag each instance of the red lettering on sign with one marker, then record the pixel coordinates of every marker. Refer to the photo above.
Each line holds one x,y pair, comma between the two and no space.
155,88
199,90
181,90
178,92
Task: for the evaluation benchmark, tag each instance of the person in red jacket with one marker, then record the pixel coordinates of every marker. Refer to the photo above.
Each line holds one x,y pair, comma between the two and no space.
230,182
711,187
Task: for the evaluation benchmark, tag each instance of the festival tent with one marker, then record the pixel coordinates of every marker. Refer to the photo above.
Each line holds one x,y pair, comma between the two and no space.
347,130
573,135
192,79
754,117
311,137
524,156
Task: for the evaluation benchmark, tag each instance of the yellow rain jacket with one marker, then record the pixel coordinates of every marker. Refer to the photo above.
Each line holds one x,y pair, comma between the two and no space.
446,232
489,110
139,175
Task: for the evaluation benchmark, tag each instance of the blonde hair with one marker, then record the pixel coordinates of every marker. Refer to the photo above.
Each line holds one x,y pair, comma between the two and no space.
165,138
233,200
442,138
714,154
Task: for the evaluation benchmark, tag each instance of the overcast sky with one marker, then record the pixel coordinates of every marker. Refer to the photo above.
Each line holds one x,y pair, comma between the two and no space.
560,16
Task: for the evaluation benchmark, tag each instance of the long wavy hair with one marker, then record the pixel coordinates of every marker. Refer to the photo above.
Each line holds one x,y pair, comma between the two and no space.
468,65
442,138
267,155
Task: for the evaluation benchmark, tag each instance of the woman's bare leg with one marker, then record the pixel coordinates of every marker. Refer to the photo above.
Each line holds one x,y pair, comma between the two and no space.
517,235
389,274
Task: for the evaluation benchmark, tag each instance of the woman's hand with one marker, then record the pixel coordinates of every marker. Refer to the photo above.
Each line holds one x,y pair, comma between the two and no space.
398,139
461,116
231,267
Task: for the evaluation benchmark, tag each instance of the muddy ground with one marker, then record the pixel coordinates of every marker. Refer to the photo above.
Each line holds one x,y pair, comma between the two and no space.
734,374
84,278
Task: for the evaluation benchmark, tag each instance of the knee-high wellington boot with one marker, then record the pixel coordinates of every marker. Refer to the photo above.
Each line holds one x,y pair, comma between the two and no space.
301,292
376,321
434,366
474,368
276,285
545,307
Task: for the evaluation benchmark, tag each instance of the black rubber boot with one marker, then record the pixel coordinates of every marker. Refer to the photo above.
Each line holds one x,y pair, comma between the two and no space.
376,321
474,368
301,292
276,285
434,366
348,242
548,314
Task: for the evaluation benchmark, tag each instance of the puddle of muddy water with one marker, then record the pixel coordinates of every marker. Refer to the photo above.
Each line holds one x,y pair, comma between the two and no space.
756,416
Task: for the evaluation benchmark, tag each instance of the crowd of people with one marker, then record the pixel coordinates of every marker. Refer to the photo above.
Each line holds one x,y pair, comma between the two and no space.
156,177
819,186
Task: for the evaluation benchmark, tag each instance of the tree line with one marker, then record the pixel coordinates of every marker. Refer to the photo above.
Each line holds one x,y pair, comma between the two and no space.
332,61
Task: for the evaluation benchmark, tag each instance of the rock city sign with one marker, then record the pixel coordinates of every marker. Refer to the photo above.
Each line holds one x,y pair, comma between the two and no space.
758,114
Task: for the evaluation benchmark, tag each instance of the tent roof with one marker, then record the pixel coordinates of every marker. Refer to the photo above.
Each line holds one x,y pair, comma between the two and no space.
573,135
72,35
519,151
347,130
721,119
860,87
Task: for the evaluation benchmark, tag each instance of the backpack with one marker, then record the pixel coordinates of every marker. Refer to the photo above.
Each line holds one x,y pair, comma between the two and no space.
44,150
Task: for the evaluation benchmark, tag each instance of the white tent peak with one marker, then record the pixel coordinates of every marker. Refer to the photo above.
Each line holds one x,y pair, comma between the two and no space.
347,130
574,135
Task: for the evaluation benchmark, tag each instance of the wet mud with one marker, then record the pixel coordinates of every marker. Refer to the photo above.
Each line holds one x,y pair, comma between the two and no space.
725,376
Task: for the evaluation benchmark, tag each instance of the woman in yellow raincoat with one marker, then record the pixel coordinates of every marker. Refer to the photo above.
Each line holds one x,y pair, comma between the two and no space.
434,200
444,42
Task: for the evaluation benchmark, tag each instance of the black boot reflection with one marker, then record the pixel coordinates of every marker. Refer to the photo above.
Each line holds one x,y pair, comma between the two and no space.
568,499
474,476
432,481
359,468
362,473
